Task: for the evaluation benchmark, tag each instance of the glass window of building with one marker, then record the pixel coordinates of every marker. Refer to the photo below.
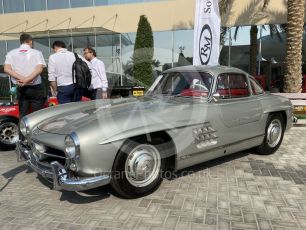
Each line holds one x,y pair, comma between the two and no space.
42,44
2,52
36,5
1,8
80,42
81,3
127,54
127,50
236,52
12,44
106,2
183,47
66,40
58,4
162,51
11,6
108,50
132,1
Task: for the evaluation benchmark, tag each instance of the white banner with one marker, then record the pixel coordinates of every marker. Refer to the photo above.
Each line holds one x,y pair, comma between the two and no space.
207,29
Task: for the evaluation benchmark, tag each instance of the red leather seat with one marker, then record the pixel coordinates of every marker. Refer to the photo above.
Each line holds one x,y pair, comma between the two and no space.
233,92
193,93
239,92
224,92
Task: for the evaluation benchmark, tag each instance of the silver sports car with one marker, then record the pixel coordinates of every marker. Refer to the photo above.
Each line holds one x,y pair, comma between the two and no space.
188,116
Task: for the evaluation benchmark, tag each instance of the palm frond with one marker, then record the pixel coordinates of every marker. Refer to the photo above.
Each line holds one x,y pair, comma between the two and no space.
224,6
236,33
266,3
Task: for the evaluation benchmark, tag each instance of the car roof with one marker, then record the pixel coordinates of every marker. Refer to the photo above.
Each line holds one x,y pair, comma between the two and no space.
215,70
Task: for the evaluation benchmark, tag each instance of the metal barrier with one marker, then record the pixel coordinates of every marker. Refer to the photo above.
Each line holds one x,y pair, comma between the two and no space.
5,88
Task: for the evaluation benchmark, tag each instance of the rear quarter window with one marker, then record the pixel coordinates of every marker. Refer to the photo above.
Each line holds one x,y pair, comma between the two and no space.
232,85
256,87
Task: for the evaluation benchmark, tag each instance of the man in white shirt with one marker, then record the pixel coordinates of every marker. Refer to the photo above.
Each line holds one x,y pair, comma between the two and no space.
25,65
99,82
60,74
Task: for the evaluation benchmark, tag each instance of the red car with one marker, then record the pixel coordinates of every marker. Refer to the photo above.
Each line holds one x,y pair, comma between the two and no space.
9,117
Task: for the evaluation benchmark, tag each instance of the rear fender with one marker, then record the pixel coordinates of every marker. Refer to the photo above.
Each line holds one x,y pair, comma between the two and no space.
11,111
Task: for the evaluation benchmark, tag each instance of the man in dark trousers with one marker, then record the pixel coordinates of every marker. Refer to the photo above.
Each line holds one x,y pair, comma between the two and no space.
60,74
25,65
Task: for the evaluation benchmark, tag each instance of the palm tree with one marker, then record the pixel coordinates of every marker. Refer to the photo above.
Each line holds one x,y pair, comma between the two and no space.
294,31
253,50
224,6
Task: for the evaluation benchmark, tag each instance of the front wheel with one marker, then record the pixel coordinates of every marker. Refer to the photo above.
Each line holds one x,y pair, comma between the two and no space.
274,134
8,133
138,167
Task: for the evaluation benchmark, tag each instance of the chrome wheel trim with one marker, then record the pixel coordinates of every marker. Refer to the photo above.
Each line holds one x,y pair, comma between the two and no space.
142,165
9,133
274,133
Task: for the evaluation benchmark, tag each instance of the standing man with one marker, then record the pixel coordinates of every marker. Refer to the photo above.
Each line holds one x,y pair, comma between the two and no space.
60,74
25,65
99,82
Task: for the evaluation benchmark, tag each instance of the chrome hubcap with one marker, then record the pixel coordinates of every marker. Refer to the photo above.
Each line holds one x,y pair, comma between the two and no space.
9,133
274,133
142,166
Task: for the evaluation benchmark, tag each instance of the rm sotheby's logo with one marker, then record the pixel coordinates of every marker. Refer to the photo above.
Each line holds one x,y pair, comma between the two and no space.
205,44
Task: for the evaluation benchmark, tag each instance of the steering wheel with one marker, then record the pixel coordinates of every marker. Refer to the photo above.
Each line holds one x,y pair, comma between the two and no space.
200,86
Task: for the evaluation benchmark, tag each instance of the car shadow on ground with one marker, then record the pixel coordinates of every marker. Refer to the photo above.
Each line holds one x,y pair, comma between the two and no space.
83,197
9,175
89,196
206,165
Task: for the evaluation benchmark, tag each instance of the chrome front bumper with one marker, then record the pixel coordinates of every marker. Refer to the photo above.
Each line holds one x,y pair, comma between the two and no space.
57,173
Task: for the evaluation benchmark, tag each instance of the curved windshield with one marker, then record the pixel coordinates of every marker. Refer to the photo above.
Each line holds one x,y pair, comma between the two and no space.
188,84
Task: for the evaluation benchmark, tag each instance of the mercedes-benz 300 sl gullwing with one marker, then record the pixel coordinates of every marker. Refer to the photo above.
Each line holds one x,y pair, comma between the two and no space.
188,116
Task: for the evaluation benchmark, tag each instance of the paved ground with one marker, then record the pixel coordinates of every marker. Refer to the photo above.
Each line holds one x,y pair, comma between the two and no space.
243,191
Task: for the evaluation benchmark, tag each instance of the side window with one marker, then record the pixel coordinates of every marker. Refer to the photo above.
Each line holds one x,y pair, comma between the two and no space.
223,86
238,85
174,84
232,86
255,87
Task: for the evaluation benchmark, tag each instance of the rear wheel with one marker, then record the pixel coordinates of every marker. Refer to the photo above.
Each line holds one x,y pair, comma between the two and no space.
138,167
8,133
274,134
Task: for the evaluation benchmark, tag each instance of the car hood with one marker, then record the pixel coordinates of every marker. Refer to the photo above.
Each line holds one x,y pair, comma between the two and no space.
112,111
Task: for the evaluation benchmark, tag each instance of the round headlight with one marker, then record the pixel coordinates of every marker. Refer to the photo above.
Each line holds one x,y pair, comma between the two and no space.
71,145
24,127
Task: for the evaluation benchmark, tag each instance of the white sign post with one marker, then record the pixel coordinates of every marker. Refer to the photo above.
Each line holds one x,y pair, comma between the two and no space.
207,30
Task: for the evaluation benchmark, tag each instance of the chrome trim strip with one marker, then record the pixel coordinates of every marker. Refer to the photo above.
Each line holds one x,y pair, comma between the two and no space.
55,156
20,155
219,147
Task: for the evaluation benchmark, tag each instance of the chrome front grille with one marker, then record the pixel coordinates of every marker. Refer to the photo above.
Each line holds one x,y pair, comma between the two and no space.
47,154
52,152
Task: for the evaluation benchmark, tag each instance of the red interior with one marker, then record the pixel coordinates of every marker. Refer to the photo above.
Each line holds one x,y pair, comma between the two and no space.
13,110
193,93
234,92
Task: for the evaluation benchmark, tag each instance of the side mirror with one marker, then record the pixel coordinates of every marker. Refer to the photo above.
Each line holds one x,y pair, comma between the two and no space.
216,97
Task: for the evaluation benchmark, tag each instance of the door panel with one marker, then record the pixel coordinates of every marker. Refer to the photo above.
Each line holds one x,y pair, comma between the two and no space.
240,112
